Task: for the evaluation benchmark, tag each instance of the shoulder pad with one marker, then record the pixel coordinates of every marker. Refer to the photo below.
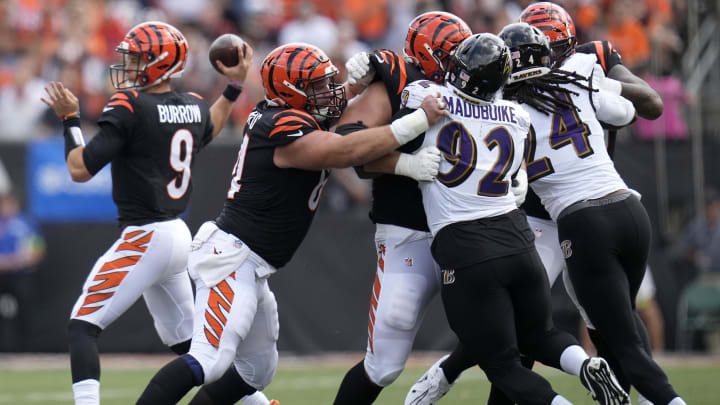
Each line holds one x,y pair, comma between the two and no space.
390,68
522,116
290,123
580,63
123,99
414,93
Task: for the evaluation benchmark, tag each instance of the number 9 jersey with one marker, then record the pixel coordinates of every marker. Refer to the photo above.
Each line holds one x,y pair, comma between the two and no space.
482,146
151,140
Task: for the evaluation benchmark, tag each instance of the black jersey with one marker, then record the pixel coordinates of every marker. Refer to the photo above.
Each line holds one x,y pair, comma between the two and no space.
151,140
607,57
396,199
270,208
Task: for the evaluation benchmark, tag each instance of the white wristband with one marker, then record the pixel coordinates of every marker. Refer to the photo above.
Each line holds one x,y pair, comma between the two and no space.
611,85
410,126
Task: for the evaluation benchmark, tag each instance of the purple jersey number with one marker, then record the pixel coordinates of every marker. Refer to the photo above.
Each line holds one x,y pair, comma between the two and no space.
459,148
567,129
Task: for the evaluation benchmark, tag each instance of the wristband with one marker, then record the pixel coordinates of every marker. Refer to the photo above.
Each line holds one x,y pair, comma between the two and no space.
72,114
231,92
410,126
72,133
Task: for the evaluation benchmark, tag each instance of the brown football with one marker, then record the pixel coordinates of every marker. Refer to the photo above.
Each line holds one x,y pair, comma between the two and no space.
224,48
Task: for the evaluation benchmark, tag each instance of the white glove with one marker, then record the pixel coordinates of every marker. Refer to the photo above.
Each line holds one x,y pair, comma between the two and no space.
422,166
520,187
359,70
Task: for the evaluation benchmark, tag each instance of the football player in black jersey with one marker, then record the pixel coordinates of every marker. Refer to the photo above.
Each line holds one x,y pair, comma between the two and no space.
282,168
407,277
151,135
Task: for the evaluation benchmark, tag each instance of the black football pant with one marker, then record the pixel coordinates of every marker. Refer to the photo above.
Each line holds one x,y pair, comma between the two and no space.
498,308
606,249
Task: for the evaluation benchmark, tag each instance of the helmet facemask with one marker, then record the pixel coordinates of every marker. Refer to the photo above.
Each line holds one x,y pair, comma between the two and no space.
326,99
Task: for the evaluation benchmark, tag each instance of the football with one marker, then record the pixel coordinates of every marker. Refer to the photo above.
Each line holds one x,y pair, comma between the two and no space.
224,48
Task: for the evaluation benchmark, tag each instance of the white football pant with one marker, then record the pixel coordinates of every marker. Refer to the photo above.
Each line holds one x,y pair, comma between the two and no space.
148,261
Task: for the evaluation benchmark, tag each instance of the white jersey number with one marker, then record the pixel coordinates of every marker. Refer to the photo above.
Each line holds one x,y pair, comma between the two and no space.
237,173
180,162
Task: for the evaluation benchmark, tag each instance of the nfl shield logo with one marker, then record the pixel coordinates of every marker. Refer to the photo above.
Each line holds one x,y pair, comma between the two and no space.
238,243
408,261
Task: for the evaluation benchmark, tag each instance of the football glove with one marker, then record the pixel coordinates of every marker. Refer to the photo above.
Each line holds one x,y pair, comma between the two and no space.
359,70
422,166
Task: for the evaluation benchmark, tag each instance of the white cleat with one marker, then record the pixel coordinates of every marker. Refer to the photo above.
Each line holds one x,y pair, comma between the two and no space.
430,387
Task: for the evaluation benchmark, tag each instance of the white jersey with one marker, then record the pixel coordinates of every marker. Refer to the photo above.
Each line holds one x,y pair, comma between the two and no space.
482,146
568,160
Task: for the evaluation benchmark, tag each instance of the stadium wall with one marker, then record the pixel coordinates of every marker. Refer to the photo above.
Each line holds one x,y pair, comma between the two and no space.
324,292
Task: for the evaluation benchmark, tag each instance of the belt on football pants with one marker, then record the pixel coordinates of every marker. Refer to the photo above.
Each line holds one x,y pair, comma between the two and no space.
611,198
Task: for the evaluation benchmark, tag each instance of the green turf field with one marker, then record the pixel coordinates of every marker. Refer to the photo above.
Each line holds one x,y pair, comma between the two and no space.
317,384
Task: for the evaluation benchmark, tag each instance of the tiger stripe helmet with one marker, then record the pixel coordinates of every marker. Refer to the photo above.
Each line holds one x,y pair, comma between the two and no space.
556,24
431,39
152,52
301,76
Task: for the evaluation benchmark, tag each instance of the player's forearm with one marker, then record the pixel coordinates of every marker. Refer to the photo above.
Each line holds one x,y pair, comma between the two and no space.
647,102
221,109
385,164
370,144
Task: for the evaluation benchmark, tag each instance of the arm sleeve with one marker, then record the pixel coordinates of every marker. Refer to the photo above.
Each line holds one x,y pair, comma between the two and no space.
102,148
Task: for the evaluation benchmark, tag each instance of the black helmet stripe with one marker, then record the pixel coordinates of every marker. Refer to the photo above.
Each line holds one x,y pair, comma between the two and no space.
419,27
272,63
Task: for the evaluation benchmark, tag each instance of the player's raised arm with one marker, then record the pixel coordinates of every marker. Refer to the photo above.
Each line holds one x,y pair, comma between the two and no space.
321,149
67,108
220,110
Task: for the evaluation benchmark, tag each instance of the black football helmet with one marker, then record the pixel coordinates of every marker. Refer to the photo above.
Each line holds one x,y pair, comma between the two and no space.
529,49
480,66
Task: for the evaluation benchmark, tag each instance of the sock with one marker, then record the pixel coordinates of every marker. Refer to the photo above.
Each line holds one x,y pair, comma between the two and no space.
677,401
84,357
228,389
172,382
258,398
572,358
356,387
560,400
86,392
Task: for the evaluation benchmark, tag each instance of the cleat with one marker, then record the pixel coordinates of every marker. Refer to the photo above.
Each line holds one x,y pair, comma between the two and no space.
274,402
597,377
430,387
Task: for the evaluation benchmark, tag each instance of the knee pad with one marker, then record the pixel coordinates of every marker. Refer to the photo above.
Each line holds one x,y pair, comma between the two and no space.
404,305
259,369
382,374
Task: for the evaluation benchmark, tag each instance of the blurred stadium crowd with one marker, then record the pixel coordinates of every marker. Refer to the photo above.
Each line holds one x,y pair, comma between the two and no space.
73,41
